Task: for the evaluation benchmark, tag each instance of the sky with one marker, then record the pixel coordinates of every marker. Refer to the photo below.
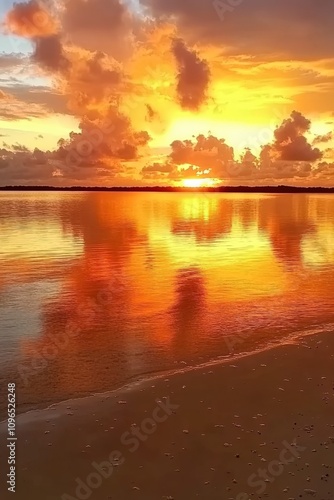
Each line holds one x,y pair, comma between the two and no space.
155,92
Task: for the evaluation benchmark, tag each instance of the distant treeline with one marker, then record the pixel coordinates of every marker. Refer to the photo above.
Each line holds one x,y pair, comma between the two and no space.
170,189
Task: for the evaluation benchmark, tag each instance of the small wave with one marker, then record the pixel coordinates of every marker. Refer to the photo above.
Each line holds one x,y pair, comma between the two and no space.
292,339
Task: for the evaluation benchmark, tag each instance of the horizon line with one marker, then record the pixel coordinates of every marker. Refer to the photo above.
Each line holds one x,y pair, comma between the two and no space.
170,189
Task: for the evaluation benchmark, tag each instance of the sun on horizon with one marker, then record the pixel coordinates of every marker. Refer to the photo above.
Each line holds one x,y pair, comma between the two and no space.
198,183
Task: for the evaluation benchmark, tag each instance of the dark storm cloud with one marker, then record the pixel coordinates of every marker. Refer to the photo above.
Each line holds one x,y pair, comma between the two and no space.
301,29
49,54
193,76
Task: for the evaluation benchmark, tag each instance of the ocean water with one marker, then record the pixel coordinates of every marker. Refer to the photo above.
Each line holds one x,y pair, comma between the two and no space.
99,289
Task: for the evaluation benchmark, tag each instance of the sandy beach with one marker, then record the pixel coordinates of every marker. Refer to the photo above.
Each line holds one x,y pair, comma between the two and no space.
257,427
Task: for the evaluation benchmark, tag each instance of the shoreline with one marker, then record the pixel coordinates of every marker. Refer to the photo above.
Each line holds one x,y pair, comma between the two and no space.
222,359
221,425
270,189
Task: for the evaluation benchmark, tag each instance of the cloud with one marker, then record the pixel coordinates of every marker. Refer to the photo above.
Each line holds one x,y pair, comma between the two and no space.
151,114
8,61
102,59
50,55
52,101
324,170
30,20
157,170
205,156
103,143
253,27
290,142
106,25
319,139
3,95
94,74
19,148
19,166
206,153
92,81
289,159
12,108
94,15
193,77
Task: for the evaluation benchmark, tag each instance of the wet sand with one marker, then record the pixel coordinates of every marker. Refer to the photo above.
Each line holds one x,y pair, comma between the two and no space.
252,428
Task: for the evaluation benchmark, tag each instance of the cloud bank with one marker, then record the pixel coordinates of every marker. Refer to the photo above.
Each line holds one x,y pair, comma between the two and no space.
125,73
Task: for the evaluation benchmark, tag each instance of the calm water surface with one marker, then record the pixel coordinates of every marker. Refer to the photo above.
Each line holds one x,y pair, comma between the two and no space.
97,289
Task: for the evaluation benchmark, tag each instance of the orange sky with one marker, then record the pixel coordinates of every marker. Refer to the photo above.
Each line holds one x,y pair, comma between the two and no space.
111,92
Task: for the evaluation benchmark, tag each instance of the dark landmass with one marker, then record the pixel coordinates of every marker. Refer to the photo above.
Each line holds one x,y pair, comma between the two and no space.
171,189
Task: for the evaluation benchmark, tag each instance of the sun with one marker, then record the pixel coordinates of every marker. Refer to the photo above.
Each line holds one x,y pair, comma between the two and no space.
197,183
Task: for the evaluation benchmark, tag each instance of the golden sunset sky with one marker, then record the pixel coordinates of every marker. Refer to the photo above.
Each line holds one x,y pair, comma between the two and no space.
166,92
